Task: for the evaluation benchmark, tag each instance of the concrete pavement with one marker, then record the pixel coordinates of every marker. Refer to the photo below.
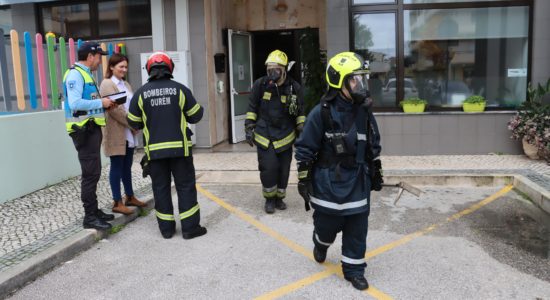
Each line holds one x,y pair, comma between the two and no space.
43,229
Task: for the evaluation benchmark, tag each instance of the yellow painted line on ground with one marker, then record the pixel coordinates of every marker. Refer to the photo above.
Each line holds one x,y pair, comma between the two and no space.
409,237
250,219
330,268
296,285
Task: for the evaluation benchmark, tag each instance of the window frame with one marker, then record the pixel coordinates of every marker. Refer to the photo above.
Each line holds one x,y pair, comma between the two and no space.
399,9
6,7
94,18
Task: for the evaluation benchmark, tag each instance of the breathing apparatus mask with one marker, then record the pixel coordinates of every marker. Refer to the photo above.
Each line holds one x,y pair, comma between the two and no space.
275,73
357,87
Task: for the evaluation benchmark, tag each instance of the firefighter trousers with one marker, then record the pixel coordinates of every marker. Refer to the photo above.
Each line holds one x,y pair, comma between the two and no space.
274,171
183,171
354,238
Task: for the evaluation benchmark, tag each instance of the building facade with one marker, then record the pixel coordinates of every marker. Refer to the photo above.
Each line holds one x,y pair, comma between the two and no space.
441,51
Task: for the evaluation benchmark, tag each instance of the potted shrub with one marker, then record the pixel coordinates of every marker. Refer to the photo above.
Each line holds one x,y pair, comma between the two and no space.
413,105
474,103
531,124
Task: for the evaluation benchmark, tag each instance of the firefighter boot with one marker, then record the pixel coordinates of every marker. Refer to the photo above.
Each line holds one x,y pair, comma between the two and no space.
319,254
280,204
270,205
358,282
198,231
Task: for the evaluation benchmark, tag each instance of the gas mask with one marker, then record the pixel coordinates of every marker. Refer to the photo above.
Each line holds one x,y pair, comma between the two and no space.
357,86
274,74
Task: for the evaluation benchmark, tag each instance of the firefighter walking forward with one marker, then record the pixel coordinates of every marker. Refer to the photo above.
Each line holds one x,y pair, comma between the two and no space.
162,108
338,164
274,118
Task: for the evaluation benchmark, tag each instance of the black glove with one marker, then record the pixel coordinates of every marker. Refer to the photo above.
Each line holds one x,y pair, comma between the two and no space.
377,178
305,187
249,131
145,166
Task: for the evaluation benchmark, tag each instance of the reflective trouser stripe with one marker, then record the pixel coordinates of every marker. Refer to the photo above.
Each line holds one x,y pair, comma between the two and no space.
300,119
164,217
302,174
269,192
353,261
281,193
190,212
321,242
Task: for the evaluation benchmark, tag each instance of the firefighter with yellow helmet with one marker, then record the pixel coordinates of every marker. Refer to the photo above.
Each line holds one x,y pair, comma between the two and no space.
274,118
338,164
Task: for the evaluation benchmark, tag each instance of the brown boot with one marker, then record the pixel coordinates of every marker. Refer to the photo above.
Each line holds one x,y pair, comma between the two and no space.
119,207
133,201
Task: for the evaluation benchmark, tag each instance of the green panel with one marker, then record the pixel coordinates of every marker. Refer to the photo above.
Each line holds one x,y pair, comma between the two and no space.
242,77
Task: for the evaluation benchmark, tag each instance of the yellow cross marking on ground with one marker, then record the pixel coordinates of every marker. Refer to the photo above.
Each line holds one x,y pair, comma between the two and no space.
333,268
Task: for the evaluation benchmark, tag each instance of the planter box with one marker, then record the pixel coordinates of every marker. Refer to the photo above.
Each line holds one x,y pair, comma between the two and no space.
473,107
414,108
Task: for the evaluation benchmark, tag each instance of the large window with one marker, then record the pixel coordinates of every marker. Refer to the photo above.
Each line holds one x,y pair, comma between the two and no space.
374,38
444,52
451,54
96,18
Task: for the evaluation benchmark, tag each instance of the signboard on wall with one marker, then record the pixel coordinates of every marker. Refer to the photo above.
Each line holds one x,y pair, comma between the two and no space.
180,73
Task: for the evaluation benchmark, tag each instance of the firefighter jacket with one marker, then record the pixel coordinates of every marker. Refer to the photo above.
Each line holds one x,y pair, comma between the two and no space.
82,100
340,182
162,108
275,111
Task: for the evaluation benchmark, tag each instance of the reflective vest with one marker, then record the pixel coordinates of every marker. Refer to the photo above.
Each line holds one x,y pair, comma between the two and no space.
89,92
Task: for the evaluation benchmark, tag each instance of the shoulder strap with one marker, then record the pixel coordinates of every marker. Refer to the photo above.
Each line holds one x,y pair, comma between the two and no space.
326,116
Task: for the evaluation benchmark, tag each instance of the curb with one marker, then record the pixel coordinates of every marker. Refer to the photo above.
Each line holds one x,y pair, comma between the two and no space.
30,269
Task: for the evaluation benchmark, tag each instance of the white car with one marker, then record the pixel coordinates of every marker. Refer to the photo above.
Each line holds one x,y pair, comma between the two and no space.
389,92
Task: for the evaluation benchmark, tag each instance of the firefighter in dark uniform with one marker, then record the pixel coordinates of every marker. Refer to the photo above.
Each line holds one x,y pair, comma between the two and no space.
162,108
339,165
274,117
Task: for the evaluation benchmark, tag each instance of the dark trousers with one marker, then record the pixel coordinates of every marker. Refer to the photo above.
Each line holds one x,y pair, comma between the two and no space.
354,238
183,170
88,147
121,169
274,170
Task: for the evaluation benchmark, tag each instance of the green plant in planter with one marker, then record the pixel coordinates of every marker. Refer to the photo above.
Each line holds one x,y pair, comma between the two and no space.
413,105
474,103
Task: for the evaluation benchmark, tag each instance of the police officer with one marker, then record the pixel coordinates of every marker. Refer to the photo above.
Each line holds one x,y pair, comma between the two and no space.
274,117
83,119
162,108
338,164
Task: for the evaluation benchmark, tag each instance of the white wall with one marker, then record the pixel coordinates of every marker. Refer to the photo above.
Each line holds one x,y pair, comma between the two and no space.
36,152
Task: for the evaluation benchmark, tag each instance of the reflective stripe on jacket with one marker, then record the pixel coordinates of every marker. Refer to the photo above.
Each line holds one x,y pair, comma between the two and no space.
162,108
268,109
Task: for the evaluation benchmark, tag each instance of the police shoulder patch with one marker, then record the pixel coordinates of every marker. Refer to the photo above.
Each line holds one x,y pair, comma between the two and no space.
71,84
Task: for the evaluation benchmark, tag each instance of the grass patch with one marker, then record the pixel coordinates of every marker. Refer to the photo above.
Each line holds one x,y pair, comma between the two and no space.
115,229
144,212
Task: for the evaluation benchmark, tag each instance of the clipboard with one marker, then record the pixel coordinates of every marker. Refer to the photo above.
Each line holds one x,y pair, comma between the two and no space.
118,98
